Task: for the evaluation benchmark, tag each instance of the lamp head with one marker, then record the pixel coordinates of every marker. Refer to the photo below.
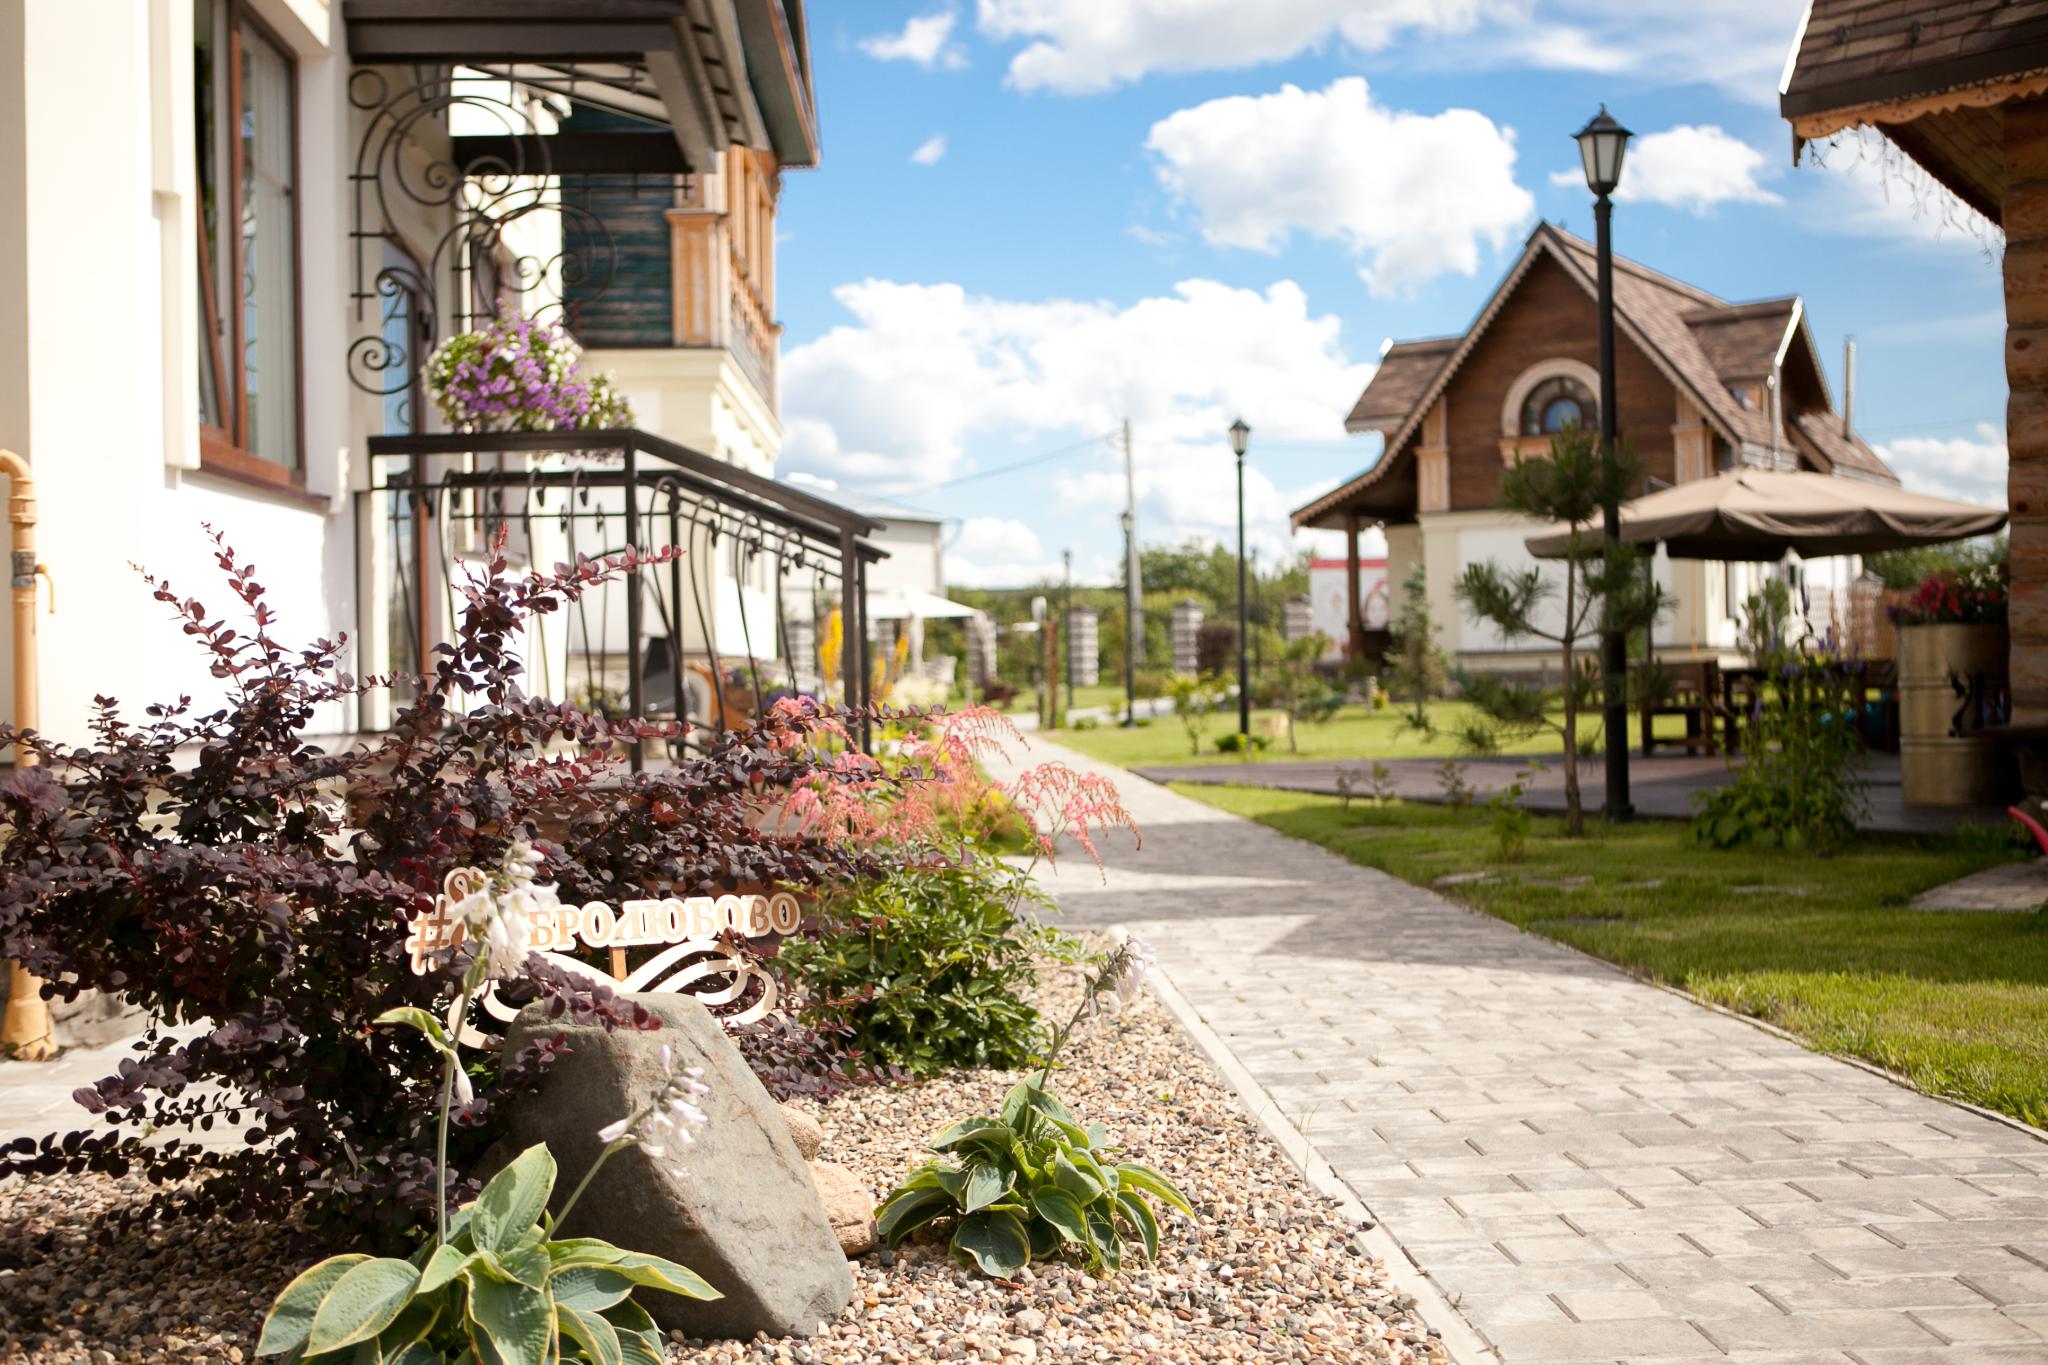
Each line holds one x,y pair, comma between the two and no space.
1603,143
1240,437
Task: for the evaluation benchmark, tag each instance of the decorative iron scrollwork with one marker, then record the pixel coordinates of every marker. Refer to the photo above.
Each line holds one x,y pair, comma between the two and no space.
510,239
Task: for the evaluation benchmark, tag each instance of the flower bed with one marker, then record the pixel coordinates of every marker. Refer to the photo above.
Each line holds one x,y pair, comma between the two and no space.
1267,1271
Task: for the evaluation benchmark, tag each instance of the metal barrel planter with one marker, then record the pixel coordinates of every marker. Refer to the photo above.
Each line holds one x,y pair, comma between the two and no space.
1952,689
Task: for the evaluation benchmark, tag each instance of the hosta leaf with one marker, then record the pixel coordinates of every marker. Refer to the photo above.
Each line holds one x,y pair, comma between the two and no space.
411,1326
966,1128
526,1263
1133,1176
444,1265
418,1353
367,1298
583,1251
514,1199
1139,1214
291,1315
1063,1211
908,1210
953,1180
599,1340
994,1241
639,1339
509,1323
1102,1236
1075,1181
1046,1240
414,1017
656,1273
985,1185
589,1288
1016,1104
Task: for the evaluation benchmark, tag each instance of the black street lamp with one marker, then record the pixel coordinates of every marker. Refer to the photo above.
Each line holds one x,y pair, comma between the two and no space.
1602,145
1240,437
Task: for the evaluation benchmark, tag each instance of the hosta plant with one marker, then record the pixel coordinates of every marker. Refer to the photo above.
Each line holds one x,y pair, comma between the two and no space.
493,1285
500,1289
1031,1184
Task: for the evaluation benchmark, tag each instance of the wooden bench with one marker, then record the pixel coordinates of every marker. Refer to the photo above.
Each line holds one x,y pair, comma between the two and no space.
1679,688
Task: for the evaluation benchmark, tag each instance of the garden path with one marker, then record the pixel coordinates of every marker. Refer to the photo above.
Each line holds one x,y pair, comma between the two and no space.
1592,1169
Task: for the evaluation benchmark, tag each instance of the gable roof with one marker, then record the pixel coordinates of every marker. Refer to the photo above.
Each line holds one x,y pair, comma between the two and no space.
1699,342
1406,369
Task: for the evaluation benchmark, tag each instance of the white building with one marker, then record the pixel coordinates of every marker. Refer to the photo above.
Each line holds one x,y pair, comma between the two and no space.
230,230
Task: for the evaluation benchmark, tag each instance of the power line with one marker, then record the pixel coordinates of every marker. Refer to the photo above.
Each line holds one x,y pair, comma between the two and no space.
1044,457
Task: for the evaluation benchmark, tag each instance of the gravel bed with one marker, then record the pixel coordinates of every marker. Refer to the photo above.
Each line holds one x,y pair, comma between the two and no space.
1266,1271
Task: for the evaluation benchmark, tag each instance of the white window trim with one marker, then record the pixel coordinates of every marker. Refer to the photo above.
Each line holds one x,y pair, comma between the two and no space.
1519,391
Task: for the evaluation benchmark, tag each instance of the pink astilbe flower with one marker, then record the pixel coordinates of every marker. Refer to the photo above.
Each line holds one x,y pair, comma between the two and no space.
1057,800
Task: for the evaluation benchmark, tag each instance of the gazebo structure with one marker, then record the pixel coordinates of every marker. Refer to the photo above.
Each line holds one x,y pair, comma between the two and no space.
1961,88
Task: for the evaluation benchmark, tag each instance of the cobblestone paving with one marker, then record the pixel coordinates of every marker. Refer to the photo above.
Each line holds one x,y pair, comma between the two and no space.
1592,1169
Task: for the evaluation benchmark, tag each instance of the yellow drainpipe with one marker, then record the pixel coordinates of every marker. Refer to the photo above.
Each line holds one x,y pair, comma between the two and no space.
25,1032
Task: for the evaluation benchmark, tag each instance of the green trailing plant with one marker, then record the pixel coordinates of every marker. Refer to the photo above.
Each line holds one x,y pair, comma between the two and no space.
1033,1182
1595,593
1799,783
1247,745
1417,669
1770,629
494,1284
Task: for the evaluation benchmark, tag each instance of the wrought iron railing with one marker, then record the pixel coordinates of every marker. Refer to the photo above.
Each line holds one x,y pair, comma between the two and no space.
443,498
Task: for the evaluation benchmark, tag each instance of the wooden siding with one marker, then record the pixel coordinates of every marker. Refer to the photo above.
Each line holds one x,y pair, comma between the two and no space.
631,304
1549,318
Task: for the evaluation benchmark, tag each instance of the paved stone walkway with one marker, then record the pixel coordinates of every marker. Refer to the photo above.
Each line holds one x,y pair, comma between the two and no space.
1592,1169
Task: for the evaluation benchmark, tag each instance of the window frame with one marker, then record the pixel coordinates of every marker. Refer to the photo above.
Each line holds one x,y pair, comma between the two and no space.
226,450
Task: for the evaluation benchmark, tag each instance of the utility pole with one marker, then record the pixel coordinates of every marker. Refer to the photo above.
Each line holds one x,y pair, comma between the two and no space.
1134,624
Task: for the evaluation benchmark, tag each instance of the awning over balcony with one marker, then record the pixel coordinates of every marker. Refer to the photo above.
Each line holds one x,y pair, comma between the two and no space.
698,75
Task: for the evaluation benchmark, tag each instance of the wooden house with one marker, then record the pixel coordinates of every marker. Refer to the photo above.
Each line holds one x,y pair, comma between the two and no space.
1703,385
1961,87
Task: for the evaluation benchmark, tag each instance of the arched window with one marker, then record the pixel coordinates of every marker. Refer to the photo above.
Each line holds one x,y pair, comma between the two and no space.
1555,402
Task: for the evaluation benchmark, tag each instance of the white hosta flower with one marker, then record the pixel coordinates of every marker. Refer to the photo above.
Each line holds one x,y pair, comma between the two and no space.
673,1113
1132,960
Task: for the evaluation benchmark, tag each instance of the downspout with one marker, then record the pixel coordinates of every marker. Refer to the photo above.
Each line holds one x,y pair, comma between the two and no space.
25,1031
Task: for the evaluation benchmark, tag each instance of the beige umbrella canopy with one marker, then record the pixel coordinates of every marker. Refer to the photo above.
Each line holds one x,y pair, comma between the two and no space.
1759,514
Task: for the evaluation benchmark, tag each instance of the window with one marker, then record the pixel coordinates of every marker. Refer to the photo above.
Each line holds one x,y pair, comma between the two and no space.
246,122
1555,402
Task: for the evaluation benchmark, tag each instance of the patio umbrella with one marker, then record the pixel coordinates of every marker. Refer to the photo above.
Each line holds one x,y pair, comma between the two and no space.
897,604
1759,514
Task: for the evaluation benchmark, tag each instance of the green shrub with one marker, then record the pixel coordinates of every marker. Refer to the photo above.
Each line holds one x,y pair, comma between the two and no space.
1797,785
1235,743
928,969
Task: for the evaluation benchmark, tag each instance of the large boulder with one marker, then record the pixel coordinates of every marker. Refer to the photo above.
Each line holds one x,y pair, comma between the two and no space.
737,1206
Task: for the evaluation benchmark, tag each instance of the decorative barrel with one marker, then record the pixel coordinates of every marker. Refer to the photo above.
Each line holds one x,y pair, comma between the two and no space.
1952,684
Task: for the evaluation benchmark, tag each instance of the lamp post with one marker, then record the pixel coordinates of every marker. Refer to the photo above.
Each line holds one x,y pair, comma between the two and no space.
1240,437
1603,143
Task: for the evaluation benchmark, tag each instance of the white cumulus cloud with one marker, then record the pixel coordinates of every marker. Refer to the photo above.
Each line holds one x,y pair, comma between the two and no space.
1968,468
1411,195
1688,167
922,41
929,151
1081,46
895,400
998,552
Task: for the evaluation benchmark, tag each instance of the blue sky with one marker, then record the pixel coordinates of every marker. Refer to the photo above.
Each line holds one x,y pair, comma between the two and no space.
1034,216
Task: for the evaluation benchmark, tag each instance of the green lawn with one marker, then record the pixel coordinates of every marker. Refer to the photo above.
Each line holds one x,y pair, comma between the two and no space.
1352,734
1102,694
1825,949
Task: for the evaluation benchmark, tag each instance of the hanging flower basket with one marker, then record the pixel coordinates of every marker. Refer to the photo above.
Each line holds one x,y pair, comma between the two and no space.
519,374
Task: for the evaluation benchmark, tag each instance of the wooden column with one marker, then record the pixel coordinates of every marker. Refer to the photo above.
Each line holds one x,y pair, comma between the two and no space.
2026,367
1354,622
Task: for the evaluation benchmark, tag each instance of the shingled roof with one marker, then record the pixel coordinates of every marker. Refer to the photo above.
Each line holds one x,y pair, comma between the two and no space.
1921,69
1701,343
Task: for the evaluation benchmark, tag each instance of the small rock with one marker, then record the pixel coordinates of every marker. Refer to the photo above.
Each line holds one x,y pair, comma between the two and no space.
804,1131
848,1206
1030,1322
